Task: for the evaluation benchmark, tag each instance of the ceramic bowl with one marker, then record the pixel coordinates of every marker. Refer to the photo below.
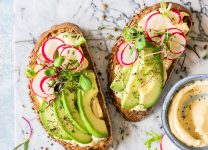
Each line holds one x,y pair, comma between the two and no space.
180,84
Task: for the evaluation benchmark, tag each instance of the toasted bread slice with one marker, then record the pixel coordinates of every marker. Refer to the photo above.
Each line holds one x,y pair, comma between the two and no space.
54,31
133,115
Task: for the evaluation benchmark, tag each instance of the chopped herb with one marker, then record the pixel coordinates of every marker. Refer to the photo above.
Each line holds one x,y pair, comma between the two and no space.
58,61
140,42
50,72
81,40
154,137
30,73
129,33
164,9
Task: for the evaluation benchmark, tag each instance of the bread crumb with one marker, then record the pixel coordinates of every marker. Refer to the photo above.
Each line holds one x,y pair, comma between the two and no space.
104,5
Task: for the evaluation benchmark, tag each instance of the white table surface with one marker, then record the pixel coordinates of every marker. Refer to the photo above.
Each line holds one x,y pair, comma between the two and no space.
6,75
32,17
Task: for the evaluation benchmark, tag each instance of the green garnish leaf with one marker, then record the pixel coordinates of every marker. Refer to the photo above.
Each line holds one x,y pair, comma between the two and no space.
154,137
140,42
164,9
30,73
129,33
50,72
81,40
26,144
56,54
85,82
58,61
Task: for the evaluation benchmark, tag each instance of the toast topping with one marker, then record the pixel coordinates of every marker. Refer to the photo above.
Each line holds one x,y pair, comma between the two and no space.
66,88
144,54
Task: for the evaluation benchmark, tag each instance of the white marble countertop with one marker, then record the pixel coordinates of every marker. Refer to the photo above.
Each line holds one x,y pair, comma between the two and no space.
35,16
6,75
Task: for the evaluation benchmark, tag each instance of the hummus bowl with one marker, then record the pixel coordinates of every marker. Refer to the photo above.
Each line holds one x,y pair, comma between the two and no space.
167,108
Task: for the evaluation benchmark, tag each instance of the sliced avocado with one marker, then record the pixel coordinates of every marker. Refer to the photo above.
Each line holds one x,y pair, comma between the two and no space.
69,100
120,81
66,124
94,125
152,75
50,123
145,81
131,93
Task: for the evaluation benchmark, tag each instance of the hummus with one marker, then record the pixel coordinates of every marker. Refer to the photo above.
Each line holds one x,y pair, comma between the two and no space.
188,114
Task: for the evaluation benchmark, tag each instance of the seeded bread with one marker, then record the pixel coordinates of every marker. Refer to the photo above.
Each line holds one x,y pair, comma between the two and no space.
138,115
54,31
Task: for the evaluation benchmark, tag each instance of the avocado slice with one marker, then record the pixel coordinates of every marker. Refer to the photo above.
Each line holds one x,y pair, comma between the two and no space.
50,123
94,125
69,100
120,81
152,85
66,124
145,82
131,93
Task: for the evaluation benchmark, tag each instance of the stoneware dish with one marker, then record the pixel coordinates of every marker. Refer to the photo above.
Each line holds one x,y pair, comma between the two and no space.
167,103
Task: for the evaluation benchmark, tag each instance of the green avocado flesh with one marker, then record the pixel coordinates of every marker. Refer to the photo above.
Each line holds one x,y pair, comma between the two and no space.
71,117
121,79
144,81
50,122
95,126
67,125
69,102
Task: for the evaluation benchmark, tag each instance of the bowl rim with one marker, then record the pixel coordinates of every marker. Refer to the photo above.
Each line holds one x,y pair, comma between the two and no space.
165,107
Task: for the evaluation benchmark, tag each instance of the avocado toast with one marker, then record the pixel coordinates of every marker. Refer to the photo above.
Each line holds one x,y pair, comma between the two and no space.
144,56
65,90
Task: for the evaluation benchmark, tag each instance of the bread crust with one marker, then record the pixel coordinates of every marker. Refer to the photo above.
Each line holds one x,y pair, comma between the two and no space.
134,115
53,31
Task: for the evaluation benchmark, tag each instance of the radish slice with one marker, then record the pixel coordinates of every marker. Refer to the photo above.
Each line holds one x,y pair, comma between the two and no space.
166,144
35,84
177,43
49,47
129,56
173,30
59,49
73,57
170,56
156,23
174,16
120,48
45,85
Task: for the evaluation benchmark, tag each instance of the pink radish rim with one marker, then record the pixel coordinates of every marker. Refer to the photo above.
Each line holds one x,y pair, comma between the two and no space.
146,30
178,13
81,60
43,53
33,53
183,46
174,29
58,49
117,53
122,57
41,84
32,86
30,127
174,54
